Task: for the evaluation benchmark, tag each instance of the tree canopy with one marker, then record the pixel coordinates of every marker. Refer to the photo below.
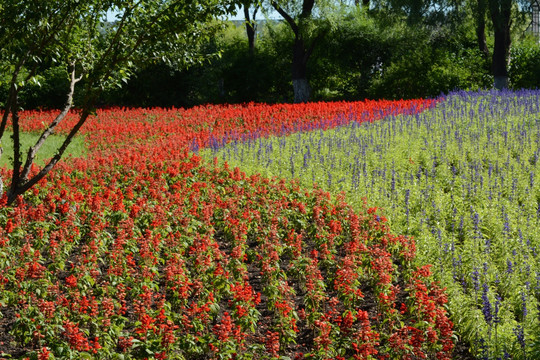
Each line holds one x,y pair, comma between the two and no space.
96,53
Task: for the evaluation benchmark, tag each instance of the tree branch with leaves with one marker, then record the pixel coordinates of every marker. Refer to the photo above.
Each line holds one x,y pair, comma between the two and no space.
98,54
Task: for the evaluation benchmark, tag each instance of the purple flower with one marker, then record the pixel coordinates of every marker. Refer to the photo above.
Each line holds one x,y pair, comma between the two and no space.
486,306
496,318
407,193
523,305
475,276
488,244
476,221
509,269
393,180
520,335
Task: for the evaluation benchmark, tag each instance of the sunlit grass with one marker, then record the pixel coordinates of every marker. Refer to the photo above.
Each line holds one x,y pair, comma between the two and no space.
77,148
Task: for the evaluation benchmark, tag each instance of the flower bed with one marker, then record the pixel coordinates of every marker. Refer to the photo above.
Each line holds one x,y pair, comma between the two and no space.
147,252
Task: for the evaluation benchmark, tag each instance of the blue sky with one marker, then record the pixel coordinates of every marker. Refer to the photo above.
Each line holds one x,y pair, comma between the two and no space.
239,15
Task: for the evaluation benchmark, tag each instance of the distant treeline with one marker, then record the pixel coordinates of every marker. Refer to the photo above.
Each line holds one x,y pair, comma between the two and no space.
357,57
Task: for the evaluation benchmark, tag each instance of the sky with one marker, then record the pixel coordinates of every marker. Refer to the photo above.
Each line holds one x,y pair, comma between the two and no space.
238,16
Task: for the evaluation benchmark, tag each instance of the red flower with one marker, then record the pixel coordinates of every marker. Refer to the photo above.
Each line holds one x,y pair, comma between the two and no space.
75,337
125,343
44,354
9,226
272,343
71,281
223,330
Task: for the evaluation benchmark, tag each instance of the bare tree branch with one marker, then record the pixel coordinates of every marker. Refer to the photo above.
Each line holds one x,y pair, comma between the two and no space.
307,8
287,17
32,151
16,144
13,91
12,195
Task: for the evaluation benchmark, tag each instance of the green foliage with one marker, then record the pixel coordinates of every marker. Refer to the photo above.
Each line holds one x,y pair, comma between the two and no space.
234,77
364,54
428,72
360,57
77,35
524,68
347,60
430,60
48,91
371,58
261,76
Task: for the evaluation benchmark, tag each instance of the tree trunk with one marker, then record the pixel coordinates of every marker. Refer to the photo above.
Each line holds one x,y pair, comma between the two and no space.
250,28
301,54
500,15
1,180
21,188
501,82
480,11
301,88
20,182
499,59
481,38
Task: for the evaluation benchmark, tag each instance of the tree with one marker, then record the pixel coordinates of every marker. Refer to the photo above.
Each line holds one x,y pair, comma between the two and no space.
251,24
506,17
501,12
97,53
365,3
479,8
299,17
503,15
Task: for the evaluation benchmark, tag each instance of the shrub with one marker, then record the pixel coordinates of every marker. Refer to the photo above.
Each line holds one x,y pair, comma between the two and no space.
525,64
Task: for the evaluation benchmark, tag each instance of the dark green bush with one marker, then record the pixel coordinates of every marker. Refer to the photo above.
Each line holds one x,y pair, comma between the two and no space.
47,91
263,75
428,61
525,64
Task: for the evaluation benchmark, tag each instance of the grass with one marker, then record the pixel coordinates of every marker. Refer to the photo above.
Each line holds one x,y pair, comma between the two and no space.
77,148
462,179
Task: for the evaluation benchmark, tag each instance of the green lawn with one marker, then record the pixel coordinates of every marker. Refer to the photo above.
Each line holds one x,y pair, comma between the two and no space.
75,149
